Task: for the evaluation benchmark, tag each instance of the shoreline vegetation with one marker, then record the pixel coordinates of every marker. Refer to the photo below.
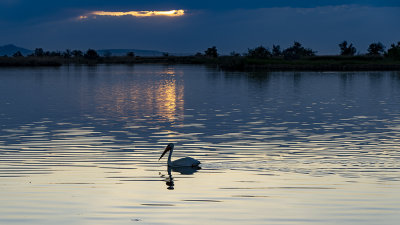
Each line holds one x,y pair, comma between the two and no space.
293,58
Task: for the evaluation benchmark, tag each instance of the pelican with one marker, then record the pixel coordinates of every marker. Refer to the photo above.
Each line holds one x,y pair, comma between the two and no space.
183,162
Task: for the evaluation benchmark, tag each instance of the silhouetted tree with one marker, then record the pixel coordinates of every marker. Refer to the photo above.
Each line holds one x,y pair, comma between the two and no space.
297,51
165,54
276,51
235,54
394,51
18,54
54,53
91,54
211,52
376,49
67,54
130,54
198,54
260,52
77,53
47,53
38,52
347,50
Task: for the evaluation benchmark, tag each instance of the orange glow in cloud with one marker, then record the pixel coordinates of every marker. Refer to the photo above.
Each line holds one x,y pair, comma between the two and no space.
171,13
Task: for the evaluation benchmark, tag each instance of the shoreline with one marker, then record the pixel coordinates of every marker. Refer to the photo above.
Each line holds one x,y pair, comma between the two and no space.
228,63
322,68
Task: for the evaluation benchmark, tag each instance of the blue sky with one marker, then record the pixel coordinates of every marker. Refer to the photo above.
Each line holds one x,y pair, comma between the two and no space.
229,25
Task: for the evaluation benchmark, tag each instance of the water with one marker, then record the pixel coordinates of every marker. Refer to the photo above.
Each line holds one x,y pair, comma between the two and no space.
80,145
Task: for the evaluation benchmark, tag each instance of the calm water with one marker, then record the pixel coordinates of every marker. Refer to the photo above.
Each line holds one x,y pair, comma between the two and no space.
80,145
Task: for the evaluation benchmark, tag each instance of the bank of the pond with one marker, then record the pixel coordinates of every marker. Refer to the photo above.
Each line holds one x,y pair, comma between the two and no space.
234,63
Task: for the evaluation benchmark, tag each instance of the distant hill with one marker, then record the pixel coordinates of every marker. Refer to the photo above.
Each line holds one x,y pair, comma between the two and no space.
144,53
123,52
10,49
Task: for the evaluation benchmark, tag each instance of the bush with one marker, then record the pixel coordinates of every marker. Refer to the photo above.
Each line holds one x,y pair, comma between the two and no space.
91,54
394,51
39,52
235,54
17,54
376,49
77,53
276,51
297,51
67,54
211,52
347,50
259,53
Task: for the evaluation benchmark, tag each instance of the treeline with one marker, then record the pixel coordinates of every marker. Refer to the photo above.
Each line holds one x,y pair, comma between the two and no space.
297,51
68,54
39,57
298,57
294,57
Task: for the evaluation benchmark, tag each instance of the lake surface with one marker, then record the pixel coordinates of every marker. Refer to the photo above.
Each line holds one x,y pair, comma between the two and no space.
80,145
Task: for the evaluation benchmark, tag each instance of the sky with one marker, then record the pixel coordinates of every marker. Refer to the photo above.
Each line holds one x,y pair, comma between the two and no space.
228,25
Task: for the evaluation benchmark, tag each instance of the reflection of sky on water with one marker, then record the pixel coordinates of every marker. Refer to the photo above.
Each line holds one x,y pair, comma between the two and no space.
273,136
329,120
326,118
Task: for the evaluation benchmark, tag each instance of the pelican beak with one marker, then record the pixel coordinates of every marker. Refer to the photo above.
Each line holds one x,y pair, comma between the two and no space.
165,151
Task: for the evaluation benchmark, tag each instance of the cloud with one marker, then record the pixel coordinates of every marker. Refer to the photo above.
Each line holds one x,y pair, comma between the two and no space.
42,9
170,13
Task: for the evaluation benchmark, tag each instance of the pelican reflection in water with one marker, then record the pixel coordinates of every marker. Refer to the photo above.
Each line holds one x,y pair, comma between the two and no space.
183,162
169,181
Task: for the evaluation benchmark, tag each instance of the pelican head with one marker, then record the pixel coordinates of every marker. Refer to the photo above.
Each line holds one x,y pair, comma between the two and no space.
169,147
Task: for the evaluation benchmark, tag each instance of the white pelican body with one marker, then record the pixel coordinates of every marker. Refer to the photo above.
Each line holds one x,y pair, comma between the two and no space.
183,162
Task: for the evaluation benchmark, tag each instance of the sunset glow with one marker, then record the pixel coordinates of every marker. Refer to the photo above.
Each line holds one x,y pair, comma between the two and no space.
171,13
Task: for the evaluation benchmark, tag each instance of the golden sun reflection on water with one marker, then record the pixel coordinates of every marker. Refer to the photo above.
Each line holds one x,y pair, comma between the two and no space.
169,99
161,98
